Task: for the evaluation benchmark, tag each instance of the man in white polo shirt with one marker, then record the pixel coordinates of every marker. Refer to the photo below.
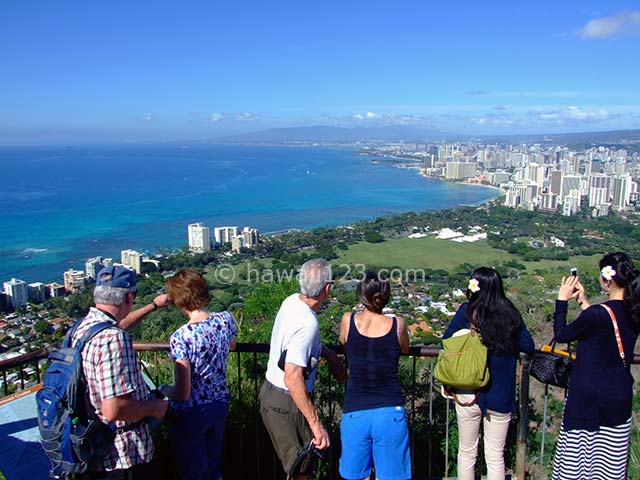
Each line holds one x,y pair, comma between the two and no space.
285,402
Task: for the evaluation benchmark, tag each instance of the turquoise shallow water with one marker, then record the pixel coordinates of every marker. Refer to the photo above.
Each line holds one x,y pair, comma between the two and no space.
59,206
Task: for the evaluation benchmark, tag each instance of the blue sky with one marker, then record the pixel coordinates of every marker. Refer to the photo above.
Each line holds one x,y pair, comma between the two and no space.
153,70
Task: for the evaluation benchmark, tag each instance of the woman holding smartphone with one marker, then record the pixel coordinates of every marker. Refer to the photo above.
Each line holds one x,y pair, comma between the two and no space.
596,423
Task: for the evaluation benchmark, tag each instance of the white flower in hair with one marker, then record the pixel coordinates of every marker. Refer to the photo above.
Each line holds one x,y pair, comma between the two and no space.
474,285
608,272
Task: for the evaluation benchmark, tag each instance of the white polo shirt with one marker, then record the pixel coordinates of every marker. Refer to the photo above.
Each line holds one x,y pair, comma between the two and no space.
296,330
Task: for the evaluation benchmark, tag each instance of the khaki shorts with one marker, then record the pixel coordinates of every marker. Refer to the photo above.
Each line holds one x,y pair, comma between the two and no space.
287,427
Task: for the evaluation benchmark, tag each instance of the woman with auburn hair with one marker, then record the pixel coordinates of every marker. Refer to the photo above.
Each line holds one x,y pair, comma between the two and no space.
374,424
596,423
200,396
503,332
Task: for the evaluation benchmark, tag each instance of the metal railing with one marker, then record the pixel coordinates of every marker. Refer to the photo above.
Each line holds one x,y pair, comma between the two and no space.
251,376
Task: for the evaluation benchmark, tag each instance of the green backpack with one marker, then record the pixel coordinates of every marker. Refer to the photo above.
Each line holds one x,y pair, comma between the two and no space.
462,362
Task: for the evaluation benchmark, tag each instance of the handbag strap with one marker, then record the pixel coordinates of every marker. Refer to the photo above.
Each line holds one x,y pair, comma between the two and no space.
553,345
616,331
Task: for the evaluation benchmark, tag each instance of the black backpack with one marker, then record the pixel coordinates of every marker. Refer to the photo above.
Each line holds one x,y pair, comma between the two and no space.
73,436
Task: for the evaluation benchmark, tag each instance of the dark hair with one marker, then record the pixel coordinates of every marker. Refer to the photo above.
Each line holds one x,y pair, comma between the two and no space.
494,315
374,292
188,290
626,277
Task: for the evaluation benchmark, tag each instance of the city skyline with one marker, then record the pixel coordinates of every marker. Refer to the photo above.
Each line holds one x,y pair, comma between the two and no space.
76,72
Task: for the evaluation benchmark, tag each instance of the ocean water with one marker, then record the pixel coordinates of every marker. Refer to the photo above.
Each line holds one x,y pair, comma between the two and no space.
59,206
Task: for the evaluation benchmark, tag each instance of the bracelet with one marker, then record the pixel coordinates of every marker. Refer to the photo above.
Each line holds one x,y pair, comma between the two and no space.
155,305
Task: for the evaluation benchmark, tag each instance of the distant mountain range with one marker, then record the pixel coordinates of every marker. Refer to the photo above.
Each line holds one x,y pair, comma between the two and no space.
328,134
610,137
394,133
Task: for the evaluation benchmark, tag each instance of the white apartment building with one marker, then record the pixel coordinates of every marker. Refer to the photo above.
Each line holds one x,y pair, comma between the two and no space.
17,291
92,266
496,178
598,196
132,259
237,243
549,202
224,234
569,183
74,280
199,238
251,237
622,188
512,198
571,204
460,170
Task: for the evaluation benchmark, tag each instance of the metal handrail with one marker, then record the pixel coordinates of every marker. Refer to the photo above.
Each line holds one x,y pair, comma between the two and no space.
415,352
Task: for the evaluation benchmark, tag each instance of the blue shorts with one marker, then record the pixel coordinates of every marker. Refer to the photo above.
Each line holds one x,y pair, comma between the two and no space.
379,436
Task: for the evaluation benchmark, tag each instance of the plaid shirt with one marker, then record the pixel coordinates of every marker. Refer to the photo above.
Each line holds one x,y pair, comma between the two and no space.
111,369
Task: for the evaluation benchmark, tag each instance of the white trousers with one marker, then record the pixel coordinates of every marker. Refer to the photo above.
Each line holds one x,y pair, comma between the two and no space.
496,426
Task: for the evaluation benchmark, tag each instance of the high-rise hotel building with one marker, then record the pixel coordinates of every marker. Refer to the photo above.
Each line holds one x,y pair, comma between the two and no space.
199,238
225,234
132,259
17,291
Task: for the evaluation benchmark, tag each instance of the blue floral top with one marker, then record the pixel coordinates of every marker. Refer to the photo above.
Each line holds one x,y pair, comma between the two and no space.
206,345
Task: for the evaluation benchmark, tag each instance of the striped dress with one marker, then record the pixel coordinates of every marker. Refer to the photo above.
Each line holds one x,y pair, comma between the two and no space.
581,454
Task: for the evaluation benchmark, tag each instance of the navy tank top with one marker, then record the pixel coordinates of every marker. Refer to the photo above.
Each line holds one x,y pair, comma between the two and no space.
373,370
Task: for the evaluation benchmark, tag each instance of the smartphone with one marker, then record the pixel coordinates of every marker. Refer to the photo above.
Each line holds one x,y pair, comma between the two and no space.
574,272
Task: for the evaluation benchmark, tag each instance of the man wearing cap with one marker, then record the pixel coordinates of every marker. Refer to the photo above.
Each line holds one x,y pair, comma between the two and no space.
117,389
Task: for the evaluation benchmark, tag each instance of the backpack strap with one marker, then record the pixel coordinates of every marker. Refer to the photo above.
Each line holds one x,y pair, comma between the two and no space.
616,331
92,332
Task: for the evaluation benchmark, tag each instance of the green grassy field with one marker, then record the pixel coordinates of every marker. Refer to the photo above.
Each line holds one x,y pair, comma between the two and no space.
408,253
442,254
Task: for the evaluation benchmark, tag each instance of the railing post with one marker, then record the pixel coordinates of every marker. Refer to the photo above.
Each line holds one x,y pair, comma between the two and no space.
157,368
431,364
413,413
446,445
256,394
523,422
239,374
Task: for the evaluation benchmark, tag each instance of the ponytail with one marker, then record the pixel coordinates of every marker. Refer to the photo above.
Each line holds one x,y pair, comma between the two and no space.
632,296
627,277
374,292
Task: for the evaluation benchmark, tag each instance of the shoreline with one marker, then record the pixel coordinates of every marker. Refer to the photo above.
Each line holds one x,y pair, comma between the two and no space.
421,171
36,271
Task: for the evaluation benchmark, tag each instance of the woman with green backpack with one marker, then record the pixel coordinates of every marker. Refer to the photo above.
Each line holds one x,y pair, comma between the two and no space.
493,316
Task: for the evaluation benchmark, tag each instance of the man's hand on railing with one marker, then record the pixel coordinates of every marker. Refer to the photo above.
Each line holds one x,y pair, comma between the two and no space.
336,367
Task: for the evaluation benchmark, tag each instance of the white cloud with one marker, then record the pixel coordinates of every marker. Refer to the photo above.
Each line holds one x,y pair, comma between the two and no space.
626,21
367,116
216,117
571,115
577,113
148,117
246,117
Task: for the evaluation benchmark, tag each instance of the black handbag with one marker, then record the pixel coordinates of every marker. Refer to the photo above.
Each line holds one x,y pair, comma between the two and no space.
552,366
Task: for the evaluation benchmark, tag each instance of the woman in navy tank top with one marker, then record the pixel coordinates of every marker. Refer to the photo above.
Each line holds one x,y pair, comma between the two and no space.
374,426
